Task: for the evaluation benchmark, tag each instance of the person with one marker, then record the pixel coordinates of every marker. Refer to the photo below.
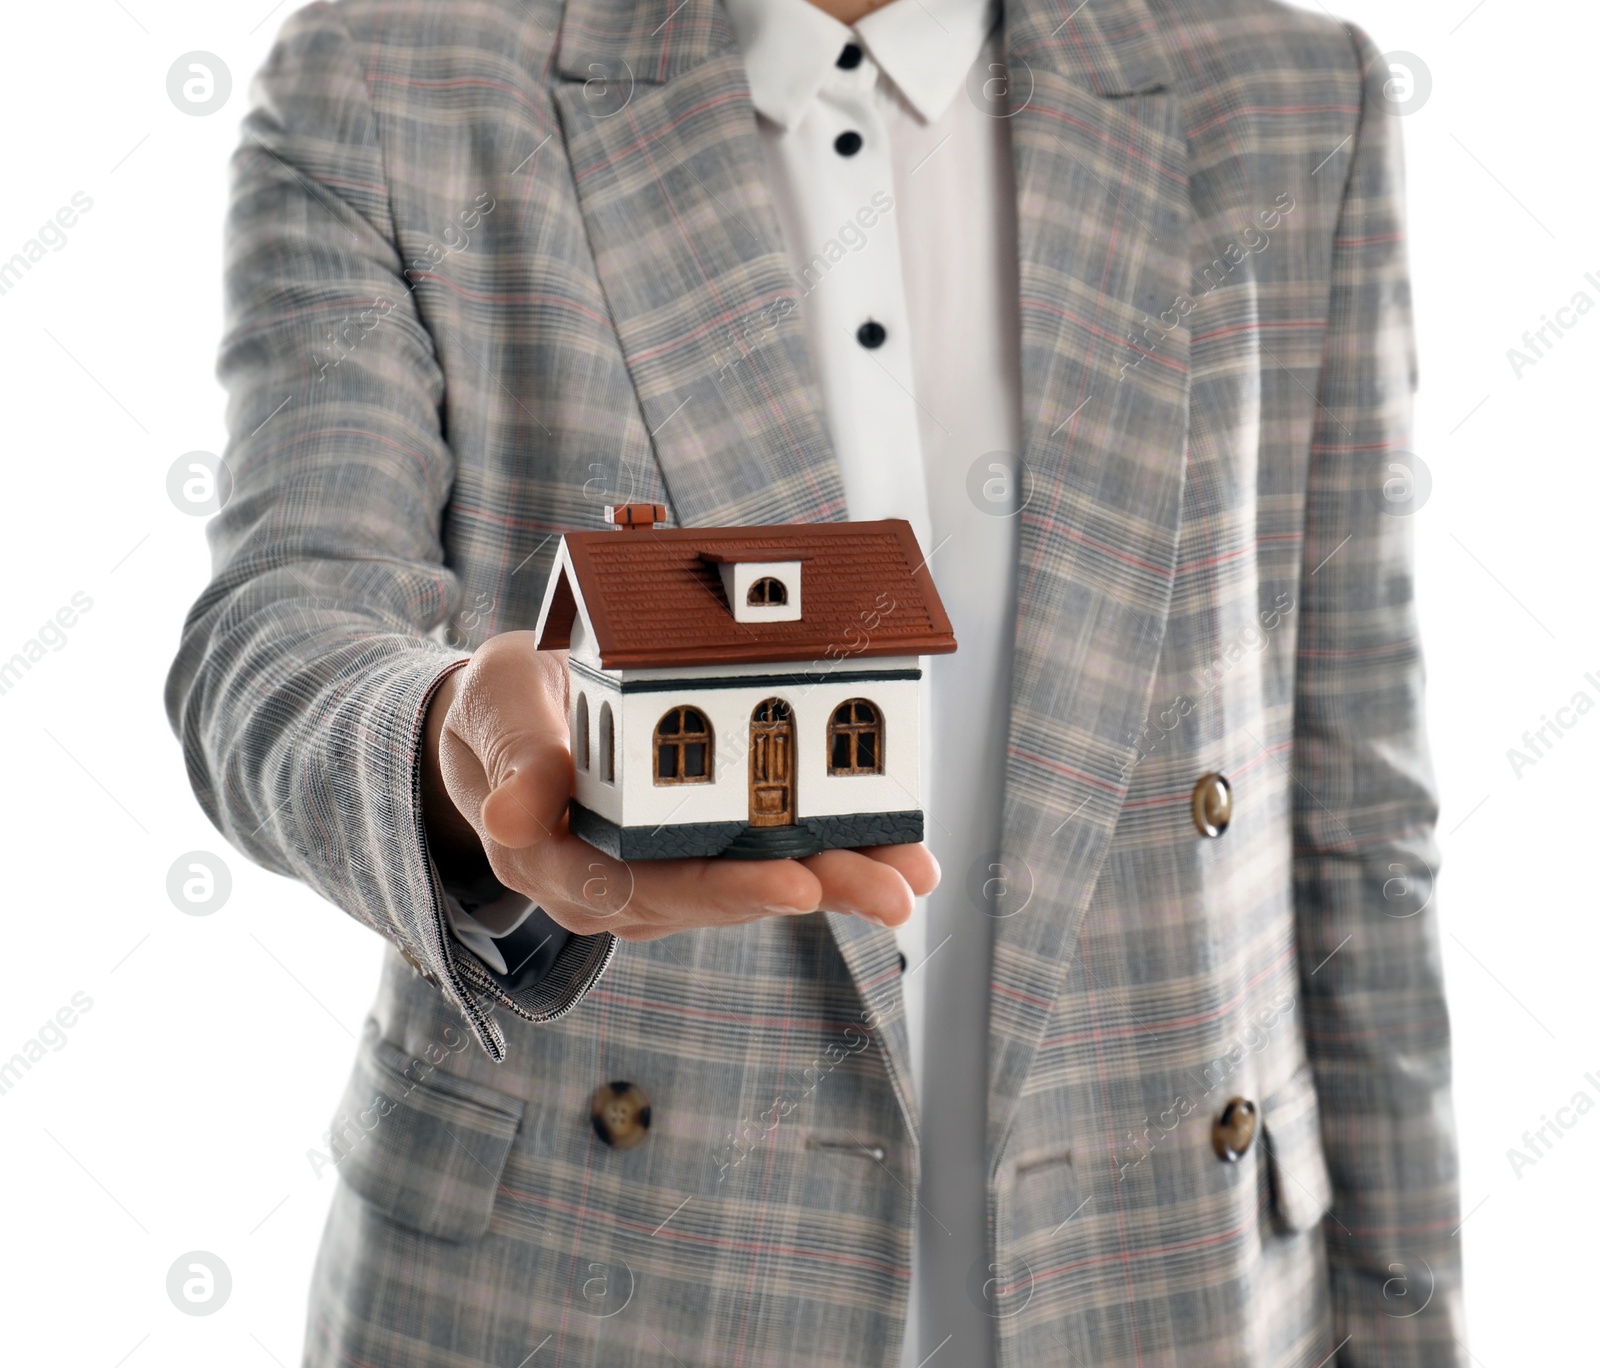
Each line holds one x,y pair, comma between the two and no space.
1110,302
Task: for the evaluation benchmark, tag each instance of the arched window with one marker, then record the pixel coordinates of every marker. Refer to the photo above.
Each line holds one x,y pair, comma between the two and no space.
608,745
855,738
580,732
767,592
683,747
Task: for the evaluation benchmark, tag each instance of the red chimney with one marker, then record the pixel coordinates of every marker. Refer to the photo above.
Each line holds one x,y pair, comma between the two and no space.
636,517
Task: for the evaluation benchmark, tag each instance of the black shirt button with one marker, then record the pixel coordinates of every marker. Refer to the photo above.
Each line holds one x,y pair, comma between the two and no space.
850,58
847,144
902,958
871,335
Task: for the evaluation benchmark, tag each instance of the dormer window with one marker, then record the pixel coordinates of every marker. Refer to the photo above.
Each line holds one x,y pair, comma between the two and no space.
767,592
758,587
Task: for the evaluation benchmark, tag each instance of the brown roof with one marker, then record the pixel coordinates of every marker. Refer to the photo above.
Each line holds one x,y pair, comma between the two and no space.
655,597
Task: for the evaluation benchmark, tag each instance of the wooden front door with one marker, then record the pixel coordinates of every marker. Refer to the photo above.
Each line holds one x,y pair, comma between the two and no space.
772,764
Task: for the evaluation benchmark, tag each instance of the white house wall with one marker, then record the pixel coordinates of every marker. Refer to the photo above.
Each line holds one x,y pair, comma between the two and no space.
727,797
592,791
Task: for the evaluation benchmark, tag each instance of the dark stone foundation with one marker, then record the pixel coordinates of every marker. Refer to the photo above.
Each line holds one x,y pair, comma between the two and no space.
738,841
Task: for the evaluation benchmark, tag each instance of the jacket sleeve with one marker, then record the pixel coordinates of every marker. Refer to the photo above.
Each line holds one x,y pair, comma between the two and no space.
307,664
1365,805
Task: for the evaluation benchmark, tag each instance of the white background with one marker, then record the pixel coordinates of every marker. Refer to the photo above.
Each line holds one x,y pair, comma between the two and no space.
178,1113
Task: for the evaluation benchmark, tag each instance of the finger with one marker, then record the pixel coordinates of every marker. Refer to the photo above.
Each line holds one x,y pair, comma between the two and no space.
732,888
867,888
510,715
675,894
584,889
915,863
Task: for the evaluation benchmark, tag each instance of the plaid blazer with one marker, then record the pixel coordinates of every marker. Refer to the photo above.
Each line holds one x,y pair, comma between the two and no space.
492,264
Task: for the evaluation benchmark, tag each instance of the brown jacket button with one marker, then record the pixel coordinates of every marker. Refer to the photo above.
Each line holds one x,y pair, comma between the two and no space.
1212,805
620,1114
1234,1129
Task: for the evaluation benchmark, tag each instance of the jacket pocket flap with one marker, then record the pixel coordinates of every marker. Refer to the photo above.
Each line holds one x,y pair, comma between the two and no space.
424,1146
1302,1191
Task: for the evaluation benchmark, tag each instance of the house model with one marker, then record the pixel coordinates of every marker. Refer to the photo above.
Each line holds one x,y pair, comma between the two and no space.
743,691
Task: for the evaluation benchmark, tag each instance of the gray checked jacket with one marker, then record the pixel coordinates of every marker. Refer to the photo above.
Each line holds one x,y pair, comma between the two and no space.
493,264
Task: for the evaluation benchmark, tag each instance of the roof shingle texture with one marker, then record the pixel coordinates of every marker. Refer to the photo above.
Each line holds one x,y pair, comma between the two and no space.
655,602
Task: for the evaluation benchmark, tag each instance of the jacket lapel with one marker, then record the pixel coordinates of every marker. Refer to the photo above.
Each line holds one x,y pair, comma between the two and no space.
671,181
1102,209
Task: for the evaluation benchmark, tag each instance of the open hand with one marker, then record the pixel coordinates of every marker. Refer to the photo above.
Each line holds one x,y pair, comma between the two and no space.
497,779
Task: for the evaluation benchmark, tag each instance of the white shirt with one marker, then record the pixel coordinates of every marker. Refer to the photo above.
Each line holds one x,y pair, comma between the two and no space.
914,230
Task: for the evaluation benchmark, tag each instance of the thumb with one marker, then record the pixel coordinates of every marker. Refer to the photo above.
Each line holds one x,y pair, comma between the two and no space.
530,800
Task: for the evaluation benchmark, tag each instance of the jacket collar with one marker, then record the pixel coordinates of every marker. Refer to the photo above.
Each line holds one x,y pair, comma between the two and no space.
1110,47
651,41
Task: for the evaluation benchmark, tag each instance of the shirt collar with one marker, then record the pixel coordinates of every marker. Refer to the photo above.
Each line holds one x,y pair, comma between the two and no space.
925,47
